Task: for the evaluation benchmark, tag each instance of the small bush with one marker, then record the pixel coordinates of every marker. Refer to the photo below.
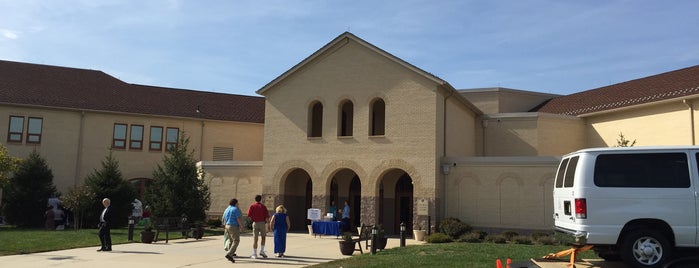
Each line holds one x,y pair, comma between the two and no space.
497,239
509,234
481,234
438,238
538,235
453,227
547,240
472,237
521,239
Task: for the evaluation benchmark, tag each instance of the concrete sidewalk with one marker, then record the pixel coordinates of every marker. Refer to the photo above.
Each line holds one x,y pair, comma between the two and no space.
301,250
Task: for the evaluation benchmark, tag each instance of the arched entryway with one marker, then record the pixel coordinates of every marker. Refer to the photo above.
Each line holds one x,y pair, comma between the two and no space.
396,201
345,185
298,196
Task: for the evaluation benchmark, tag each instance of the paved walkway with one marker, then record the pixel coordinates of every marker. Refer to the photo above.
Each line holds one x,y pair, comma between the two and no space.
301,250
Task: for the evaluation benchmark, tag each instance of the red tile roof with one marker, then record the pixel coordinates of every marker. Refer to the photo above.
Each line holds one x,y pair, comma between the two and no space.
669,85
71,88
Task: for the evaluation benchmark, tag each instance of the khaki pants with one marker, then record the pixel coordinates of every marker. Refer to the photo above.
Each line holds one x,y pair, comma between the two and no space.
259,229
234,236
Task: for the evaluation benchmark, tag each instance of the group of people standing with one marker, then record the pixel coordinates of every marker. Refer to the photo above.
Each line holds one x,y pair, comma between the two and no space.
345,215
258,213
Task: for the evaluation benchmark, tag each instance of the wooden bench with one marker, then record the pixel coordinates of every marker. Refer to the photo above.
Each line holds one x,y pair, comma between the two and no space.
364,235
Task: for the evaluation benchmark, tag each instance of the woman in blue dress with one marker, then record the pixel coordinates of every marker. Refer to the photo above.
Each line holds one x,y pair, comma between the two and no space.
280,225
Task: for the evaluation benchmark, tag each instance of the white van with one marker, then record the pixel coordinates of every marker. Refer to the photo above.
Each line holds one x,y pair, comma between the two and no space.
633,203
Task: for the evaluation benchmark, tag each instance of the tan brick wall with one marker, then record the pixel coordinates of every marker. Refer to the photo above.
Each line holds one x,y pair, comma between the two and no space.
232,179
502,192
72,159
660,124
412,142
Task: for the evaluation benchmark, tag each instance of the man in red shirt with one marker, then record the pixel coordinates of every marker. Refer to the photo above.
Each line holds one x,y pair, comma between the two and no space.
258,213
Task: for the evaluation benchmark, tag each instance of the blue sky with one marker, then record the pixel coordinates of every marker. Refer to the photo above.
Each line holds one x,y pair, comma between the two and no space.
237,47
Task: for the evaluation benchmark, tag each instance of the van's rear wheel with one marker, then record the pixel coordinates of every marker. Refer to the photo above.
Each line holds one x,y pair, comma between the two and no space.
645,248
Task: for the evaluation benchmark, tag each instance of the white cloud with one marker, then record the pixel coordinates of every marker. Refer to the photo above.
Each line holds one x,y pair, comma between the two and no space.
9,34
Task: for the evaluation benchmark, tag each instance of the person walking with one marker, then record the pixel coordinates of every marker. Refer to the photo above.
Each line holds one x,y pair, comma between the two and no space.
258,213
233,225
280,225
105,226
49,218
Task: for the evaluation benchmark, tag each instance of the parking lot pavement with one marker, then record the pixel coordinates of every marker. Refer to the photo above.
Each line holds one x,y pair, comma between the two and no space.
301,250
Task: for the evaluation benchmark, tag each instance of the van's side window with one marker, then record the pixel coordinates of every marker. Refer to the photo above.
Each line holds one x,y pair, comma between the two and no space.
561,172
649,170
570,171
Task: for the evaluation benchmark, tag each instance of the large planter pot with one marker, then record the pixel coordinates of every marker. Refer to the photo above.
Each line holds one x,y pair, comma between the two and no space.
419,235
346,247
381,242
147,237
198,232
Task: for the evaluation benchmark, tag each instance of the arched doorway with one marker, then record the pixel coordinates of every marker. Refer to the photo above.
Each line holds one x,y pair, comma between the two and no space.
396,201
298,196
345,185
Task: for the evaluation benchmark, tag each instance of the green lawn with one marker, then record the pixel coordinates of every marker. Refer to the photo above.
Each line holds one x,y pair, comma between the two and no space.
449,255
23,241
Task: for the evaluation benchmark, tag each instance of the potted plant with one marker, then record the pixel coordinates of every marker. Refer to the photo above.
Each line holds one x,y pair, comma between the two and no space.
381,238
198,230
147,235
347,244
418,233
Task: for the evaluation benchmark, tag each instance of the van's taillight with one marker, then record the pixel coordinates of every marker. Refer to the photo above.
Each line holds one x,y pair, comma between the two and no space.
580,208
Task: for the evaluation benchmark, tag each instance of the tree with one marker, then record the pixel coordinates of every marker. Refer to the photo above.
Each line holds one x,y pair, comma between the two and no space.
28,191
109,183
79,200
623,142
8,164
178,187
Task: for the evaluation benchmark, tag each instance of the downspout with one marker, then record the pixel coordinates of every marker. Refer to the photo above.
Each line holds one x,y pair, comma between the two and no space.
444,153
484,124
201,143
79,155
691,119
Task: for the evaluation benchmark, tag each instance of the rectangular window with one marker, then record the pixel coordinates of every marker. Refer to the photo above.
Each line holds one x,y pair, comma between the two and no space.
16,129
172,136
561,172
643,170
156,138
136,140
34,129
570,172
119,141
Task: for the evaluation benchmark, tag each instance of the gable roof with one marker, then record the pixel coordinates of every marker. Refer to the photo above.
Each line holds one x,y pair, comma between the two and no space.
664,86
81,89
345,37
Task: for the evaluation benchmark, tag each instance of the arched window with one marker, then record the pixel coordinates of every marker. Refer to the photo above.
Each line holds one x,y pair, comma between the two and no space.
315,120
377,120
346,118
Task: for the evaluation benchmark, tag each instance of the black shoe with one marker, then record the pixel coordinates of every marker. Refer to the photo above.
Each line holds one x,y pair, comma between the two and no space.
109,249
230,258
100,249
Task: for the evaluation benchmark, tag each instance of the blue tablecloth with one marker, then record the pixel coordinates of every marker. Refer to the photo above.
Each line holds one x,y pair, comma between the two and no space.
327,227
